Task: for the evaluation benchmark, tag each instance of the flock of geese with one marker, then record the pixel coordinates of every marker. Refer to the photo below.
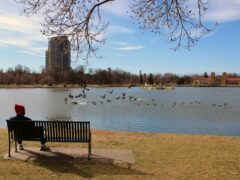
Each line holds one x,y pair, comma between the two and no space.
104,98
225,104
108,97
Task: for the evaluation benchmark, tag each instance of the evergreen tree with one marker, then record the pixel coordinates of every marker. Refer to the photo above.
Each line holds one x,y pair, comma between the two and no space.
205,75
140,78
150,79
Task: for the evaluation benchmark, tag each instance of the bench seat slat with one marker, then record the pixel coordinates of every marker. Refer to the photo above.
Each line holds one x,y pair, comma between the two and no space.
61,139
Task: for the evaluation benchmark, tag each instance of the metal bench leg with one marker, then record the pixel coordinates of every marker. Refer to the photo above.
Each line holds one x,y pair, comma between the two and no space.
89,150
9,145
15,146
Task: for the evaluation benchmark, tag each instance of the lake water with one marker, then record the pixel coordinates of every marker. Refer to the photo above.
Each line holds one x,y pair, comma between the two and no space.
183,110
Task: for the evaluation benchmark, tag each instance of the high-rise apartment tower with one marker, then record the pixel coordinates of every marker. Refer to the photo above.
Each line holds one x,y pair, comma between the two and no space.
58,55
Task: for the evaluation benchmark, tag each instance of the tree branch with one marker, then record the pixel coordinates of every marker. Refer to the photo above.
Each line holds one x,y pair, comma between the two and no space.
81,20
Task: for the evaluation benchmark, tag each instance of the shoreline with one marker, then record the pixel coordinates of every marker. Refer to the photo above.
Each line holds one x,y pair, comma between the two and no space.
160,133
15,86
12,86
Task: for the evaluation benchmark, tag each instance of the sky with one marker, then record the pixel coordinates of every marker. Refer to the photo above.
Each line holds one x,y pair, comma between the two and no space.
127,46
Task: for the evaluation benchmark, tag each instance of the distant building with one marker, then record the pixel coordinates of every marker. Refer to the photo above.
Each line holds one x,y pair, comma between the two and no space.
214,80
58,55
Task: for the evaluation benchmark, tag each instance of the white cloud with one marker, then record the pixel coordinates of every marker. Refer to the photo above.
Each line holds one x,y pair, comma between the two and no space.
9,7
117,7
218,10
18,23
119,43
125,46
223,10
15,42
131,48
36,50
114,29
21,32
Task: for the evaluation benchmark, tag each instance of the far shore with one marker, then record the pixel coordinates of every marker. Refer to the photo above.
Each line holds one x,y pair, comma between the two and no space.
157,156
15,86
61,85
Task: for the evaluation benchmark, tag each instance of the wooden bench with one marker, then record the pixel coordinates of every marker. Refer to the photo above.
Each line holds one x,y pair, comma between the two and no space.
49,131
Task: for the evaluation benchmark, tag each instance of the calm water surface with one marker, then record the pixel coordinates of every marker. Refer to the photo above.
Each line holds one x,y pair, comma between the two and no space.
183,110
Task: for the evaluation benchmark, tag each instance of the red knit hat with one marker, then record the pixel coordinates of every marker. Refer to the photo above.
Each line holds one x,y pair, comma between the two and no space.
19,109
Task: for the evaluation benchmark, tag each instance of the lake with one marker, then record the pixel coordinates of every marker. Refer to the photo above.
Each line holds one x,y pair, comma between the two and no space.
183,110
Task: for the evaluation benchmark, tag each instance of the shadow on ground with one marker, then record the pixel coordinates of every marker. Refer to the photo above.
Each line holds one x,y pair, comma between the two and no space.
63,163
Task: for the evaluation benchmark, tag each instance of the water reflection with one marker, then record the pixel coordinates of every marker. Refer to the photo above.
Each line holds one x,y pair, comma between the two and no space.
59,118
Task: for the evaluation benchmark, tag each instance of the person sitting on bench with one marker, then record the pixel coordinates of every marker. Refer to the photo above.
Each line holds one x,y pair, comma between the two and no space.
20,116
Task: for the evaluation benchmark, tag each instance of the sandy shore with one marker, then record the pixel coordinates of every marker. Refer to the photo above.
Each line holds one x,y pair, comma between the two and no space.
157,156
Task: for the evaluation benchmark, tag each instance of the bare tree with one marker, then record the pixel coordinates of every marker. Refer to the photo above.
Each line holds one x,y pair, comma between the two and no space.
180,20
81,20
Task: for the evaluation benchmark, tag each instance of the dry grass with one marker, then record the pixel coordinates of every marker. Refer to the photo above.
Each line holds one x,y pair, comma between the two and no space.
157,156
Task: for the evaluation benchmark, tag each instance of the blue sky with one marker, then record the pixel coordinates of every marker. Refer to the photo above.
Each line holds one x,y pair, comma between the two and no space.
127,47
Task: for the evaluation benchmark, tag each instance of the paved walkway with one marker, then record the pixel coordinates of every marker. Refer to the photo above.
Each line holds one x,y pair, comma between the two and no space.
73,154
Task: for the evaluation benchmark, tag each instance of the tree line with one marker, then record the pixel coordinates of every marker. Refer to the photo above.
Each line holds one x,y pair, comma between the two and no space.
22,75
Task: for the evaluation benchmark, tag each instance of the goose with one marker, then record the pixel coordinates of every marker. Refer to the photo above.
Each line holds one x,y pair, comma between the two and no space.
225,104
103,96
70,95
74,102
110,92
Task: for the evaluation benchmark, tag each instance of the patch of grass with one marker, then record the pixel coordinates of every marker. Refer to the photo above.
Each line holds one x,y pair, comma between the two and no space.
157,156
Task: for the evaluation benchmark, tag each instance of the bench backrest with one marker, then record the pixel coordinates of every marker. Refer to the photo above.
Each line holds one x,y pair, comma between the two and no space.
53,131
